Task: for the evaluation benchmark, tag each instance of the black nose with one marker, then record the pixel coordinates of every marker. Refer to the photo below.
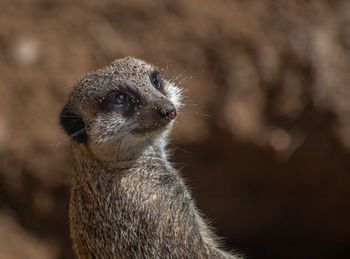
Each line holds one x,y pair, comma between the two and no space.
166,110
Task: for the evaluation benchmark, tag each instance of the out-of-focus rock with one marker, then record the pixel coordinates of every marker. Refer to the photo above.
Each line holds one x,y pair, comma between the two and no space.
26,51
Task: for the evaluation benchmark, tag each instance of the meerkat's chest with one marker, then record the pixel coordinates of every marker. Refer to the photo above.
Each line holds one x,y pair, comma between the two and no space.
135,194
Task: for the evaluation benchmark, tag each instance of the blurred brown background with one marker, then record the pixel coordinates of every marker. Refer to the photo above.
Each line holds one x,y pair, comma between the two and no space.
268,165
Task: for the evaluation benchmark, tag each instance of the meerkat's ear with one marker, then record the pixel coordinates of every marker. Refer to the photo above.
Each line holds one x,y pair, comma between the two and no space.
73,125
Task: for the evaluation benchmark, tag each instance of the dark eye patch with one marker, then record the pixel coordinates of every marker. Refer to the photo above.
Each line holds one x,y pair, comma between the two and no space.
122,100
115,100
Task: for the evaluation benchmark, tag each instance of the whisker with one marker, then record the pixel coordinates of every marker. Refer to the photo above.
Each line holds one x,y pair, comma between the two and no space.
69,137
179,148
196,112
76,133
183,166
166,69
183,72
191,104
184,79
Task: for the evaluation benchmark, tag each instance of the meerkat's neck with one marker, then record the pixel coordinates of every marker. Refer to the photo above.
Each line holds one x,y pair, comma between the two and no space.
142,205
117,159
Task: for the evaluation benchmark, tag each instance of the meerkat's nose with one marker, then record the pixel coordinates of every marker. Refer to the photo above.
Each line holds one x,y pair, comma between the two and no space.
166,110
168,114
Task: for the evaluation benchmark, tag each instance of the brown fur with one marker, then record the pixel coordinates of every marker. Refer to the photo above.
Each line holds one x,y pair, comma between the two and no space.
127,201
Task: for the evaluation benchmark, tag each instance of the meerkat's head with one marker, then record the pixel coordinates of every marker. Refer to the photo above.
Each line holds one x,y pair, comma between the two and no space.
120,109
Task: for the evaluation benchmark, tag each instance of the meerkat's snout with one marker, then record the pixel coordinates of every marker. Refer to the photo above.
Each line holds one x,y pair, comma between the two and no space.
155,116
165,109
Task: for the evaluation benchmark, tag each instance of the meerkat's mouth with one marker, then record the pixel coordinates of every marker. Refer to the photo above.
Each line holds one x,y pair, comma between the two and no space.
155,118
150,130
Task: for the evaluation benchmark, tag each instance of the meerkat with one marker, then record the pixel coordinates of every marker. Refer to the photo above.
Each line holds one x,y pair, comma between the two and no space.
127,200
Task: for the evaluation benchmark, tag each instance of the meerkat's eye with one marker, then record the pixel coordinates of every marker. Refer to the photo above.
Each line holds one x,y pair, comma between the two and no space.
115,100
119,98
156,81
